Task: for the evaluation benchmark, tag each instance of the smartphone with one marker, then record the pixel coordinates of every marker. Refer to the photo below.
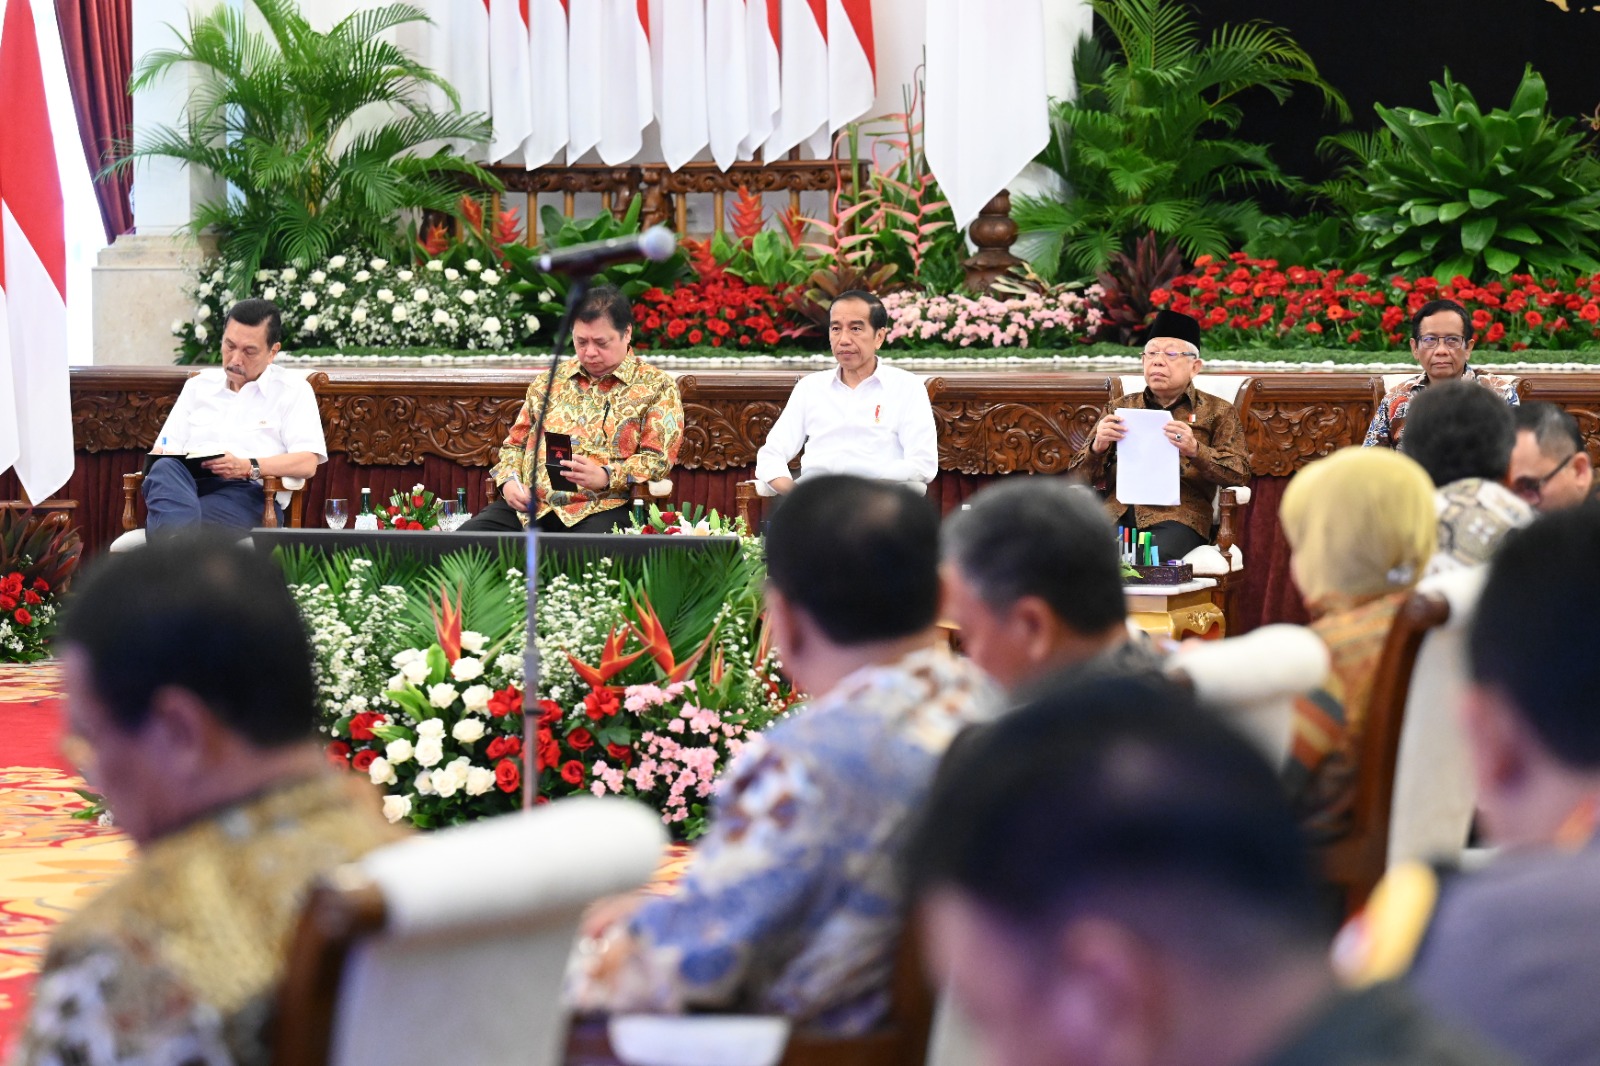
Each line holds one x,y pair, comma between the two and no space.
557,448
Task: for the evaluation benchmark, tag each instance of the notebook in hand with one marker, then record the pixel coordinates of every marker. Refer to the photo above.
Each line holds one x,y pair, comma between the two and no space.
192,461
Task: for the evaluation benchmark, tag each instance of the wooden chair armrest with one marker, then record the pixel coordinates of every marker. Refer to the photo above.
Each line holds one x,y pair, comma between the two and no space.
271,485
130,498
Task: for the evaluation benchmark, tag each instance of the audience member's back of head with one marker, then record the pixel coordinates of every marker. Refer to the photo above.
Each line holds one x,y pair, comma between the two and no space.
1045,537
196,611
1120,798
1459,429
1523,642
859,557
1552,426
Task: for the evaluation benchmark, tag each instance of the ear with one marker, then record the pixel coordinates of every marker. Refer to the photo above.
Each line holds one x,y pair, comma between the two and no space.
1034,626
1110,999
787,637
182,727
1582,465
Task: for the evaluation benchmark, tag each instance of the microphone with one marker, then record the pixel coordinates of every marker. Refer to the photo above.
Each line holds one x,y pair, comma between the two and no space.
655,244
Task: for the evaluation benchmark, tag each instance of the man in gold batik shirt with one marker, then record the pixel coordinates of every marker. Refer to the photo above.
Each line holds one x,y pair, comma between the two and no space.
624,418
191,705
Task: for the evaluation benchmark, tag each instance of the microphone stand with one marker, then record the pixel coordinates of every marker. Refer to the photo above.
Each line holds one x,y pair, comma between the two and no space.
578,289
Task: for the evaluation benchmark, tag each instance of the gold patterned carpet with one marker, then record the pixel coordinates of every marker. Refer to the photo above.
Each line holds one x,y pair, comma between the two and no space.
50,862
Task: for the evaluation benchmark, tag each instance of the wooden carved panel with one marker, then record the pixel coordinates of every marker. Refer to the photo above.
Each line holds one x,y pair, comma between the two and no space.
1002,424
122,407
389,430
1290,420
1580,395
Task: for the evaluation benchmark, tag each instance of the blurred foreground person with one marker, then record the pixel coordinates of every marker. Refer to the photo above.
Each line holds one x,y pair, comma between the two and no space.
191,709
1132,891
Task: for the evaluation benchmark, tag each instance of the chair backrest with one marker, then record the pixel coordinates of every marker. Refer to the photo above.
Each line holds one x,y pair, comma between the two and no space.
902,1040
1354,862
451,947
1434,794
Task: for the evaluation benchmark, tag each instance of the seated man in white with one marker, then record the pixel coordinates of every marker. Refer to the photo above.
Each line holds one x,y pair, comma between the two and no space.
862,417
258,419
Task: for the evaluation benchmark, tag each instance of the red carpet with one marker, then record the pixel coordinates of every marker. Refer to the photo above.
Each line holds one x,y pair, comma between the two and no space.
50,863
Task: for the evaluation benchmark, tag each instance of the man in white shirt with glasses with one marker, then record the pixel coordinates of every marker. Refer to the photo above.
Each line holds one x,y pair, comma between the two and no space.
1441,342
862,417
255,418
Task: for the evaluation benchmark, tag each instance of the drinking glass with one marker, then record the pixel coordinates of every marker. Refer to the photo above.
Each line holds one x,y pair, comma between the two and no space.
336,513
449,515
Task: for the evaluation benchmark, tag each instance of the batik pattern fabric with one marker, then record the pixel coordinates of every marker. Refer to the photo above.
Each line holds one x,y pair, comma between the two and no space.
1475,515
1389,421
630,420
179,961
1329,721
790,904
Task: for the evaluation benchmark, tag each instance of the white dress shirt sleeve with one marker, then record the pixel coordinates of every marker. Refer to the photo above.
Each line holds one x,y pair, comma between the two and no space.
302,422
785,439
918,436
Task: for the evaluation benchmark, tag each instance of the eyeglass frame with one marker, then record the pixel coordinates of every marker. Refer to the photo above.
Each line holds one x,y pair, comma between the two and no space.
1434,340
1167,357
1531,489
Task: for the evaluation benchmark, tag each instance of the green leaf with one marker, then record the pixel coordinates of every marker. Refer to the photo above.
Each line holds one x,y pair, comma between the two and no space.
1476,233
1500,261
1453,210
1483,198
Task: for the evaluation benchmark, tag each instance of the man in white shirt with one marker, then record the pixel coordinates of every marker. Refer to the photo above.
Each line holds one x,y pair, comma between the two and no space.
862,417
262,420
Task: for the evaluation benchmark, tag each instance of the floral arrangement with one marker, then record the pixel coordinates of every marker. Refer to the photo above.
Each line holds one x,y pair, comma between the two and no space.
38,556
417,509
690,520
1058,318
718,309
1253,303
420,676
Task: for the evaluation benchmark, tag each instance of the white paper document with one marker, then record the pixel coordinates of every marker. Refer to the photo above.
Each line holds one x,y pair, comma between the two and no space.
1147,462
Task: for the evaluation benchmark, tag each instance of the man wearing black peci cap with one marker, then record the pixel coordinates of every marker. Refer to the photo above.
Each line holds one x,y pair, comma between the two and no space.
1205,429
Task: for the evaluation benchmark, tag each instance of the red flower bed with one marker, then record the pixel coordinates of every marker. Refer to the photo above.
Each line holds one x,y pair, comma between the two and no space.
1253,303
716,310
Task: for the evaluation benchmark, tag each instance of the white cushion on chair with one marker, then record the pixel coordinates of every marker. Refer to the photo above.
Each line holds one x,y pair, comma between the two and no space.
1241,494
481,919
132,540
1208,560
1254,679
659,489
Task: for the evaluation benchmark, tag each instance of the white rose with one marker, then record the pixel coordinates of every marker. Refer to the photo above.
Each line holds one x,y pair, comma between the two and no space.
477,698
420,296
289,274
359,315
430,750
473,641
405,275
381,772
378,264
396,807
308,299
479,780
473,266
436,265
311,324
263,275
206,290
468,730
416,671
423,783
466,668
399,314
399,751
386,295
363,276
491,277
447,780
442,695
491,325
451,273
337,262
531,323
336,290
318,277
270,293
440,316
200,333
410,655
547,296
433,727
469,297
177,326
203,313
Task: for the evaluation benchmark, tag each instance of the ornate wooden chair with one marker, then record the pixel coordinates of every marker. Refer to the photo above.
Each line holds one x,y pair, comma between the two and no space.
294,514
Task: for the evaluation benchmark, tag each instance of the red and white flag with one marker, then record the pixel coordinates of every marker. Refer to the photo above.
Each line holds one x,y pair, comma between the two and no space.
727,80
455,45
547,76
987,113
852,61
510,80
803,75
35,400
761,28
625,75
678,64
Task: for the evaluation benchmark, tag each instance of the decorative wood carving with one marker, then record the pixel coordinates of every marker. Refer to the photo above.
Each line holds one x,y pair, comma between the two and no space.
992,232
1002,424
1291,419
122,407
1579,394
727,416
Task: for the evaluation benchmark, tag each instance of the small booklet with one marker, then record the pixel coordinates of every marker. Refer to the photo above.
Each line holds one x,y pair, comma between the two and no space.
191,460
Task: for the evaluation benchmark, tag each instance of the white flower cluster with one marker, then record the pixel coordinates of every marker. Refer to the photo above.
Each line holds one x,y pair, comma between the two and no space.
574,617
355,301
347,630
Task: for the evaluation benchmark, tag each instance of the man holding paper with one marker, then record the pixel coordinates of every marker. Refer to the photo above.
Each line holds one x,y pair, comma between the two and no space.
1160,454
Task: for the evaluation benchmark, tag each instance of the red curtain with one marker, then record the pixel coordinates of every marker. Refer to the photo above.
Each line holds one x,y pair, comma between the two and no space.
97,39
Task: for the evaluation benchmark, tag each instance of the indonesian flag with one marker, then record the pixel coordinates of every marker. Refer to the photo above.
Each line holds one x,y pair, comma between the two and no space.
986,112
852,64
727,80
510,79
609,98
547,41
761,67
35,402
803,111
678,63
456,46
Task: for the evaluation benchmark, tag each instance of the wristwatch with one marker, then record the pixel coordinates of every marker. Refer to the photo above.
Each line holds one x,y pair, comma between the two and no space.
255,470
607,471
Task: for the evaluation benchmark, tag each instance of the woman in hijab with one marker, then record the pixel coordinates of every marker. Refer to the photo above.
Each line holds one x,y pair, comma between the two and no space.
1361,527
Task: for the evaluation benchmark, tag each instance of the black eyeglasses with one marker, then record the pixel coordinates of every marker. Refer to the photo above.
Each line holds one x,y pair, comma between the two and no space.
1532,488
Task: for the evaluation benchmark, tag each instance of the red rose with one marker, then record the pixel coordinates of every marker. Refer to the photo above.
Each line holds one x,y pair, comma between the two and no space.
550,712
416,501
32,599
580,739
504,747
12,583
338,754
506,701
361,725
620,752
1534,319
669,517
549,752
23,617
572,772
602,704
695,336
769,336
507,775
7,603
393,510
40,585
363,760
